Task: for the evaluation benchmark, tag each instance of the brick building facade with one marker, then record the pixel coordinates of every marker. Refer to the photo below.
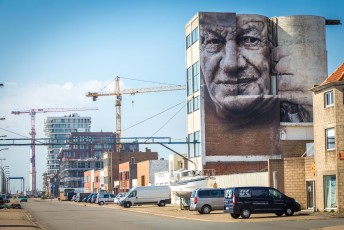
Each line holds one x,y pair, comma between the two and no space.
318,181
112,160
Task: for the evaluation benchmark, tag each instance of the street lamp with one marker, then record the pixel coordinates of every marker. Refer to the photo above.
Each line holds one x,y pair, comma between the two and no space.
3,177
4,149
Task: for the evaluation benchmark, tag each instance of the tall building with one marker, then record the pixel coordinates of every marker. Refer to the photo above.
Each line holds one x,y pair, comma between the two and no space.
248,80
58,128
85,152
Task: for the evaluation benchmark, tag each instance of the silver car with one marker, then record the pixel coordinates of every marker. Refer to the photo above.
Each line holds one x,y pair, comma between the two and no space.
205,200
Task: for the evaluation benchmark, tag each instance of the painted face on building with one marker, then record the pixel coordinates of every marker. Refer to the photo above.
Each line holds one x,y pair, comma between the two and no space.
235,61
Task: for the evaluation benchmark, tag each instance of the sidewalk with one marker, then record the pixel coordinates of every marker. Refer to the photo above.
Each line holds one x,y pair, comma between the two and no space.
16,219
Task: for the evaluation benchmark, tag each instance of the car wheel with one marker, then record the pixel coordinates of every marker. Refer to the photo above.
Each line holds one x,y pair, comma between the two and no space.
279,213
235,216
206,209
162,203
245,213
101,202
289,211
127,205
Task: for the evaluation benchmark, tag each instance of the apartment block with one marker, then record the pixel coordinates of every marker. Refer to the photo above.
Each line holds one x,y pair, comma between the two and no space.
112,160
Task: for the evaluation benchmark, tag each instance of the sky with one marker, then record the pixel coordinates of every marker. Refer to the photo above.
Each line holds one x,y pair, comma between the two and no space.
53,52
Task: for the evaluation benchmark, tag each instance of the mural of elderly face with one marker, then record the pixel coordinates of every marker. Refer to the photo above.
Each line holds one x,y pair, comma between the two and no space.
235,62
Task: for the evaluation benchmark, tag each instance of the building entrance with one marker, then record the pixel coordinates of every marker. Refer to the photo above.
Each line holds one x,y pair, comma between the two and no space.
310,187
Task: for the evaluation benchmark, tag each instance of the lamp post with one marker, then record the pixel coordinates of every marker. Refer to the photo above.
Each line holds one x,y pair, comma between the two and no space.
3,181
6,181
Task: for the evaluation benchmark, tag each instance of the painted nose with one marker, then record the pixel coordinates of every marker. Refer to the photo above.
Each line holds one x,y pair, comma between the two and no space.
229,60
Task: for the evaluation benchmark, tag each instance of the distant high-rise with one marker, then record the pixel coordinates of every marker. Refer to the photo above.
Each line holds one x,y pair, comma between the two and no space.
59,128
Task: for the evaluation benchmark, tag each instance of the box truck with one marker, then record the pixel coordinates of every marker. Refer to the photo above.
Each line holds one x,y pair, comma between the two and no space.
160,195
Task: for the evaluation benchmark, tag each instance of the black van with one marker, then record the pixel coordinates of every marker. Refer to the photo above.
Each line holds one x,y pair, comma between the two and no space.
243,201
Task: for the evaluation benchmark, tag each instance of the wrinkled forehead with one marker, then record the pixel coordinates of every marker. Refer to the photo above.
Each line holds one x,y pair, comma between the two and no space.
252,22
233,23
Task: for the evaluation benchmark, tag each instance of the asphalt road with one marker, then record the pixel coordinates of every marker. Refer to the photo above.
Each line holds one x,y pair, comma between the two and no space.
54,215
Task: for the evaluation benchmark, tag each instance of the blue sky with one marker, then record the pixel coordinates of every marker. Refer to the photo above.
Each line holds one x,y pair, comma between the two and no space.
53,52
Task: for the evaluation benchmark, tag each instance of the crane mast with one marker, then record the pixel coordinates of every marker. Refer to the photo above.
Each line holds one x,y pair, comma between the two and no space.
118,93
32,113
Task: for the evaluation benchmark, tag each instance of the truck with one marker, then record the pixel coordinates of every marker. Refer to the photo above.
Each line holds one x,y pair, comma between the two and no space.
159,195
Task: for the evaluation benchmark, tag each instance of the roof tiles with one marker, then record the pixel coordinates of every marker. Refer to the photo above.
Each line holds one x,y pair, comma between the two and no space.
337,75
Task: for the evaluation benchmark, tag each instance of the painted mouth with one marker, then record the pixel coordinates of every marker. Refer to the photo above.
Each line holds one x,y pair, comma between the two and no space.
245,80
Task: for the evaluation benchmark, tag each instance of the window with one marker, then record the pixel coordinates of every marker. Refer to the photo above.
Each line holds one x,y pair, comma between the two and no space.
190,106
204,194
330,192
330,139
196,103
191,145
197,145
195,76
194,35
329,99
189,79
188,41
274,193
259,193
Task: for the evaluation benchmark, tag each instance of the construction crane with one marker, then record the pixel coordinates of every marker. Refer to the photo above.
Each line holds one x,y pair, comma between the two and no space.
118,93
32,113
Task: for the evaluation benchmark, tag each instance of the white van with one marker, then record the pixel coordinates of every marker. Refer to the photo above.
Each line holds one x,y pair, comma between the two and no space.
160,195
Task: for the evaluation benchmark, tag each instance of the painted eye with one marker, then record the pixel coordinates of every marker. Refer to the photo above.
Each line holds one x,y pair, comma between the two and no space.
249,42
215,41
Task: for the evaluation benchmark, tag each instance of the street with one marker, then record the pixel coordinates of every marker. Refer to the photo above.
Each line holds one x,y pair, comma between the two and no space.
55,215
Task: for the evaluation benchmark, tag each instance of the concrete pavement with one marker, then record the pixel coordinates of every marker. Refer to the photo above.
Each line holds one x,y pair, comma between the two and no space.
19,219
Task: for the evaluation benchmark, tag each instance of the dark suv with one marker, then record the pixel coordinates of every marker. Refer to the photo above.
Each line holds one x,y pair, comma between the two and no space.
243,201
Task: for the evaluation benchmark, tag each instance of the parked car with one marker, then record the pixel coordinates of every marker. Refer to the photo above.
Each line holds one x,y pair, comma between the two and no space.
160,195
243,201
2,200
80,196
93,198
23,199
205,200
103,198
118,197
89,197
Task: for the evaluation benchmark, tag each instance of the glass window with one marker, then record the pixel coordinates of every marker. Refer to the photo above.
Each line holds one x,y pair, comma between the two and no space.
229,193
217,193
190,106
330,138
330,192
189,79
195,73
196,103
260,193
197,145
191,145
274,193
188,41
195,35
204,193
329,99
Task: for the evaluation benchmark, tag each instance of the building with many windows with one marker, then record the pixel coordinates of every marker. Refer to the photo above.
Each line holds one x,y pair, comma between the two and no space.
85,152
242,108
58,129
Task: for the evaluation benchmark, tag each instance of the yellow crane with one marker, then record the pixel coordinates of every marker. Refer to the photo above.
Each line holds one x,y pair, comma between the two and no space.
118,93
